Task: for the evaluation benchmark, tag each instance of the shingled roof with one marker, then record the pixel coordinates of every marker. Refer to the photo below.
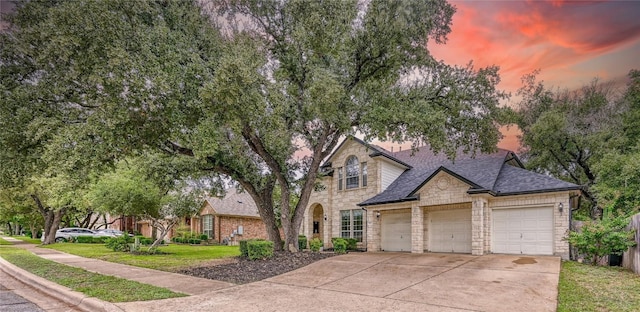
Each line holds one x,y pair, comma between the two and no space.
498,174
234,204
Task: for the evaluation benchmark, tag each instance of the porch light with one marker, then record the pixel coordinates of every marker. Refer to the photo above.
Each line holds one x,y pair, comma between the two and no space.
377,214
560,207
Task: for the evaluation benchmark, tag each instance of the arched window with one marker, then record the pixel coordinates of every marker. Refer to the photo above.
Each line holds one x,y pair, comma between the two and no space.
352,172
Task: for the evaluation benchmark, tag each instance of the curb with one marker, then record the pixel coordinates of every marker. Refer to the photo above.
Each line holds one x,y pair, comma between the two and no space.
64,294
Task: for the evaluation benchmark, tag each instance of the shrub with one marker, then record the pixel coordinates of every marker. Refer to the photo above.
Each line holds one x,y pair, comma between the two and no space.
120,243
144,240
339,245
352,243
244,250
302,242
84,239
204,237
259,249
194,241
597,239
315,244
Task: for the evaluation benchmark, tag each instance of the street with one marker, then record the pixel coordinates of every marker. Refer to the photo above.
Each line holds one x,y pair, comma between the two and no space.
16,296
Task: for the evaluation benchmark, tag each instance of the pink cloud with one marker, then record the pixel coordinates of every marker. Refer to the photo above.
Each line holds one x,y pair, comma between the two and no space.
553,36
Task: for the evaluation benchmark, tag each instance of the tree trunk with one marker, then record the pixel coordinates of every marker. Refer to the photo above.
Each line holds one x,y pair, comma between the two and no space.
10,228
34,230
52,220
164,230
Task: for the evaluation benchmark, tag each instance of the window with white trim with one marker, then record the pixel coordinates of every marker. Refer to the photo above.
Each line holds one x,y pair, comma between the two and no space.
207,225
340,179
351,224
353,172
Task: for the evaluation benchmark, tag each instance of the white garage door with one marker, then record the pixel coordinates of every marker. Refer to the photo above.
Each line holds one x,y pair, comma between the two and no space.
450,231
527,231
396,232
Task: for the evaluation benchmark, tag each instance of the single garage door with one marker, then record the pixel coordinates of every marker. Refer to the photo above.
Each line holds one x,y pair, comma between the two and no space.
450,231
527,231
396,232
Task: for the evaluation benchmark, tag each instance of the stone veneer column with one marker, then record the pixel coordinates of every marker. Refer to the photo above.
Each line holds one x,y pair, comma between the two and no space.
417,229
477,226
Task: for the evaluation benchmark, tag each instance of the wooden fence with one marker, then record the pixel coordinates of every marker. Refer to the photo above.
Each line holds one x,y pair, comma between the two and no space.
631,257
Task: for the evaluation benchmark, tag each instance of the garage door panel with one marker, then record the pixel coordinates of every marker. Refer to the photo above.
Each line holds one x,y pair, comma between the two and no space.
523,231
450,231
396,232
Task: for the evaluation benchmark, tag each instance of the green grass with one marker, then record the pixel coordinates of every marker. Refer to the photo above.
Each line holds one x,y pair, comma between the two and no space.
4,242
107,288
588,288
28,239
176,257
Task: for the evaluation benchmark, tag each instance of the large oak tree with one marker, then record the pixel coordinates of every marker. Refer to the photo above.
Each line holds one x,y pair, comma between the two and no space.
117,77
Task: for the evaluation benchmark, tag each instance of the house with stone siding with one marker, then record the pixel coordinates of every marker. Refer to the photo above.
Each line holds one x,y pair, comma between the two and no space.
231,218
418,201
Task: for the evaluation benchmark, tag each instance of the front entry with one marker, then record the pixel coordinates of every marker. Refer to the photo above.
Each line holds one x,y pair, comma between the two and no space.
317,224
396,232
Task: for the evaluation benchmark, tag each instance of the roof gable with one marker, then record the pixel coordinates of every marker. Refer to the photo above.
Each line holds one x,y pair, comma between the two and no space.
232,204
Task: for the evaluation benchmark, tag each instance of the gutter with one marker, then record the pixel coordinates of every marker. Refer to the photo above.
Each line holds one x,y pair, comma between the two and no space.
406,199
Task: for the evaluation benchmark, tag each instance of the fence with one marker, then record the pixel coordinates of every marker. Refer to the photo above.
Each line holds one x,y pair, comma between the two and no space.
631,257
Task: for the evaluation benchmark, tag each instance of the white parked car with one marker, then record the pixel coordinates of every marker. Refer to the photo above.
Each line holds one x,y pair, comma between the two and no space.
64,234
111,232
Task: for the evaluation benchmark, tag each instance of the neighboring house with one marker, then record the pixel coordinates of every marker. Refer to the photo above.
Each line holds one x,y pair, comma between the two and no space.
232,218
417,202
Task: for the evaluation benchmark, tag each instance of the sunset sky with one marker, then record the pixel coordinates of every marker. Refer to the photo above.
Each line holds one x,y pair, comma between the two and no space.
571,42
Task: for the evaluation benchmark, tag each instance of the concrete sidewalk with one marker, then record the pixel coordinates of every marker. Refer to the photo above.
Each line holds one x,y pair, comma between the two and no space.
176,282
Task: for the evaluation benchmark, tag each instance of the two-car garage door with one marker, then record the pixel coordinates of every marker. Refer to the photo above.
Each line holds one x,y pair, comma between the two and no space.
523,231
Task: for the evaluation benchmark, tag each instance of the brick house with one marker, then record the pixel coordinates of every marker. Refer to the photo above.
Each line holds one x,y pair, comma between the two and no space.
423,202
229,219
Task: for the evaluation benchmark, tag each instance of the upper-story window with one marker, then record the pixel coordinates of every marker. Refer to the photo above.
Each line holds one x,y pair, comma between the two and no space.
353,172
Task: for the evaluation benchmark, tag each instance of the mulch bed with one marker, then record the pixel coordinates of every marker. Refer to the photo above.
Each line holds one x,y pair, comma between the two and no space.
241,270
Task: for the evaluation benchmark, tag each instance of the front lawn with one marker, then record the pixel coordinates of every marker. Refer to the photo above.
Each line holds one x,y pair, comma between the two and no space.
28,239
588,288
175,256
103,287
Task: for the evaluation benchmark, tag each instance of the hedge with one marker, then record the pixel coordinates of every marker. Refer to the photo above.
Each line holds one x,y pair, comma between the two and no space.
90,239
244,251
352,243
339,245
302,242
315,244
259,249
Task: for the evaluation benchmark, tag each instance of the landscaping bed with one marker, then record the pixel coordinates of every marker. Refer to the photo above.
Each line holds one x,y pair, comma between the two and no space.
241,270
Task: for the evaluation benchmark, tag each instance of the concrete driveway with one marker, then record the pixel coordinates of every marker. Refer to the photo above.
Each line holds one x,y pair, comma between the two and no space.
391,282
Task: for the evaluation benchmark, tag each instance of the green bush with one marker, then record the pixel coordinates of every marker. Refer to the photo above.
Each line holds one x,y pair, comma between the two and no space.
119,243
302,242
352,243
204,237
194,241
315,244
259,249
597,239
244,251
144,240
84,239
339,245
